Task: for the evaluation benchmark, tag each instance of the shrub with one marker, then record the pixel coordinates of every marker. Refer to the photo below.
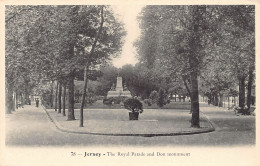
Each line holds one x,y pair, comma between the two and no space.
134,105
91,100
100,97
117,100
168,101
243,111
46,98
124,98
148,102
161,98
108,101
154,96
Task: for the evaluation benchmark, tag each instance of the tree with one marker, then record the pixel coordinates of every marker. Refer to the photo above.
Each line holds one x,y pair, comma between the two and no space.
32,52
51,94
237,23
87,66
59,97
56,96
108,78
217,79
166,22
198,33
106,41
64,99
154,96
20,76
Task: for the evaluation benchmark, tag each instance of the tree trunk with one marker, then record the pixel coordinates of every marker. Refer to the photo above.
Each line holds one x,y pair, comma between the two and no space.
71,115
10,103
224,101
83,97
10,99
193,61
195,46
228,102
64,99
16,99
22,100
26,93
51,95
195,121
56,96
215,99
249,86
59,97
220,104
242,92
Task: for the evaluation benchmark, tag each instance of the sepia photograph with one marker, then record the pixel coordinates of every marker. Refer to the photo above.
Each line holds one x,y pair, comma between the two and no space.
130,75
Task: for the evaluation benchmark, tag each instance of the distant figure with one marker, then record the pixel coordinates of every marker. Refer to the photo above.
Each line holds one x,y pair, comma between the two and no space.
37,102
208,101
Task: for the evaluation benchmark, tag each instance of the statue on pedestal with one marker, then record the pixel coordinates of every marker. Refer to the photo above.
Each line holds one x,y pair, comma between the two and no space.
118,90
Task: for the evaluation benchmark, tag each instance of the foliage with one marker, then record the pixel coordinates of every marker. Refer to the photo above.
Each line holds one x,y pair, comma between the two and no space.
134,105
243,111
174,23
154,96
117,100
108,101
162,98
148,102
190,41
138,80
104,83
53,43
91,100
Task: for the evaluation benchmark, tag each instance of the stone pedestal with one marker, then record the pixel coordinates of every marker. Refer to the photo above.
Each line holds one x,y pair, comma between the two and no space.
119,91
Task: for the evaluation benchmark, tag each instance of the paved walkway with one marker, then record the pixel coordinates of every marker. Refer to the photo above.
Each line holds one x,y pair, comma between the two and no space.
224,119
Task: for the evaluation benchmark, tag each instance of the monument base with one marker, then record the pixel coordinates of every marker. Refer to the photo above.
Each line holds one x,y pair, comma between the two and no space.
119,90
119,93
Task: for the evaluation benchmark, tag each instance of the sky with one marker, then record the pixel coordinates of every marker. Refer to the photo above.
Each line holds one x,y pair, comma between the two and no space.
128,15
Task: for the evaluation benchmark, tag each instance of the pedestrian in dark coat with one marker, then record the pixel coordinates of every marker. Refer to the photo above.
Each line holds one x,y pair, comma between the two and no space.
37,102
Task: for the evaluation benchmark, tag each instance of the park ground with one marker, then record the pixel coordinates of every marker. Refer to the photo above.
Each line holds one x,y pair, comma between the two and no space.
31,126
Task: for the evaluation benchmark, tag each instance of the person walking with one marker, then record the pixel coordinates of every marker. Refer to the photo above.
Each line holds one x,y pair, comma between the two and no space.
37,102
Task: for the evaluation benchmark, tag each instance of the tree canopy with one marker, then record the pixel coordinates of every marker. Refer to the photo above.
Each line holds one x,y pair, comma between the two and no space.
213,44
54,42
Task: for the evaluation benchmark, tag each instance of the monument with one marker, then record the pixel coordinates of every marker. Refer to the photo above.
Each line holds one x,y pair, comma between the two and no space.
119,90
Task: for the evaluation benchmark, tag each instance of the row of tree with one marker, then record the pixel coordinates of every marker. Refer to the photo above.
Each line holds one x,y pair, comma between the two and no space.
181,48
213,44
57,43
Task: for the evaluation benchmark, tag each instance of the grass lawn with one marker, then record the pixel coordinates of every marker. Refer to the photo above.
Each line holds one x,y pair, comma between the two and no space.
116,121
